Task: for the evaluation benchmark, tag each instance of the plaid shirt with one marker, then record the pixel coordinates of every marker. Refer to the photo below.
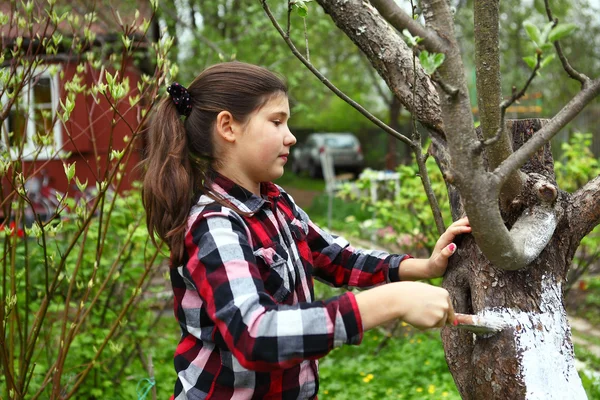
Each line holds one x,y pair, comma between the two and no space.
244,297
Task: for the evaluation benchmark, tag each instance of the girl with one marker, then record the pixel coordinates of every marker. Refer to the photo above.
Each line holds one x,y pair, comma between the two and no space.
244,255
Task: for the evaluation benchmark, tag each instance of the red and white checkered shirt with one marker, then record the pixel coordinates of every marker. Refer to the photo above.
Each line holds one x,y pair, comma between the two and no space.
244,297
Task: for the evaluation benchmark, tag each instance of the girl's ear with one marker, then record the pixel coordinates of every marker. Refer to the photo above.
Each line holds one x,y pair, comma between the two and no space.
225,126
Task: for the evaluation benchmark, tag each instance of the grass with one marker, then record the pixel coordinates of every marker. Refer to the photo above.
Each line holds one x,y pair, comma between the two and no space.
408,366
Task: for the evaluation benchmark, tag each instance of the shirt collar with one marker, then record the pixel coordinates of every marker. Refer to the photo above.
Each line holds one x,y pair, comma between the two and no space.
241,198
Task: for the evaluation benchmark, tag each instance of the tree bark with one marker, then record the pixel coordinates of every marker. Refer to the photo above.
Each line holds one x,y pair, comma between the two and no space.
533,356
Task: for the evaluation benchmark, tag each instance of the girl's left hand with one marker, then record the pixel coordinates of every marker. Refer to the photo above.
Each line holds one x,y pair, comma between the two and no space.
444,247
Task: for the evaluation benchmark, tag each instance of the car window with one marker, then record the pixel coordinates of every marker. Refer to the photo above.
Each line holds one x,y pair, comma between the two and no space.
339,142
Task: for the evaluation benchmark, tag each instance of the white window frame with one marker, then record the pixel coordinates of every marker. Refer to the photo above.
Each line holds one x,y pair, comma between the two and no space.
26,98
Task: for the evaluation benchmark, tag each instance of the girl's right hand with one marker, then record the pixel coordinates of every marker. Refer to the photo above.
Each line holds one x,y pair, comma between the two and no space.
425,306
421,305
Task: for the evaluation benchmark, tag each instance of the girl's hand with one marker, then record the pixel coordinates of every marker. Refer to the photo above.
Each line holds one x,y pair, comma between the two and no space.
444,247
421,305
426,306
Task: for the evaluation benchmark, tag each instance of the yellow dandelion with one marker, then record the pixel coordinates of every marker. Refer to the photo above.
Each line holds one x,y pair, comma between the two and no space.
412,341
444,394
403,323
326,391
362,374
375,338
419,389
427,362
431,389
368,378
419,340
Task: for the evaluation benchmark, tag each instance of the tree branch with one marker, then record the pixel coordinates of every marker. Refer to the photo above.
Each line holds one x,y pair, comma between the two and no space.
392,13
573,73
584,212
390,56
564,116
330,85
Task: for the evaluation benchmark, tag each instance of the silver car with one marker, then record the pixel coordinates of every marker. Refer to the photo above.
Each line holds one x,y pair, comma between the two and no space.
344,148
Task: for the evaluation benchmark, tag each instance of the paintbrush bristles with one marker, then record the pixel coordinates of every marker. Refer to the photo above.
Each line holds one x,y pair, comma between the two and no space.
480,323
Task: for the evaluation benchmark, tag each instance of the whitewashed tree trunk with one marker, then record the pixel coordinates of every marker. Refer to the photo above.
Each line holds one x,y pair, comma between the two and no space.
532,358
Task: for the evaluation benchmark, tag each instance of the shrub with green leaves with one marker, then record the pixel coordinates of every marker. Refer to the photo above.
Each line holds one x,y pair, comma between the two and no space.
404,222
575,167
81,288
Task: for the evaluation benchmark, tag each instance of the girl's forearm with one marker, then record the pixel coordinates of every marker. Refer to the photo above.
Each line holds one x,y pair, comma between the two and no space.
379,305
413,269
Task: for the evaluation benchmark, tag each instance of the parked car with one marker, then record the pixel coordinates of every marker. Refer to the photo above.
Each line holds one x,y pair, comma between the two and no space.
344,148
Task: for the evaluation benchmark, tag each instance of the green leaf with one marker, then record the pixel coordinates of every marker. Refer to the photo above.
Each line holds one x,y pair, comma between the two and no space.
426,62
533,32
438,59
547,60
546,31
531,61
301,9
561,31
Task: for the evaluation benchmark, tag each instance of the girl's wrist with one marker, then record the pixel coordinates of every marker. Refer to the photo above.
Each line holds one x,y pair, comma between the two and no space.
413,269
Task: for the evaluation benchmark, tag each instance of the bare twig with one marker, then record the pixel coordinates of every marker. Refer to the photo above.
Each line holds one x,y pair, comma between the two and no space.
330,85
507,103
573,73
400,20
306,40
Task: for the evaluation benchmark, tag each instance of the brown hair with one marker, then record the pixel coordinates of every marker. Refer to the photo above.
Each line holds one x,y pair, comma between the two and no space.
180,154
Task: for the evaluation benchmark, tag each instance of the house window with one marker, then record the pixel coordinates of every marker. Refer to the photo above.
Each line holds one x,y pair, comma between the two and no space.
32,121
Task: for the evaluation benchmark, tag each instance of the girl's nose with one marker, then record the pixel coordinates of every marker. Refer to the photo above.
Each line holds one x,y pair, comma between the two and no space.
290,139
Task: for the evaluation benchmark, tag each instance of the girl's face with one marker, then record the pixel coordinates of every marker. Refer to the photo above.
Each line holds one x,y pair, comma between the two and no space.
262,145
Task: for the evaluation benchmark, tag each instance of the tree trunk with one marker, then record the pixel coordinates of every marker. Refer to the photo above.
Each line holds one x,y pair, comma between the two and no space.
533,356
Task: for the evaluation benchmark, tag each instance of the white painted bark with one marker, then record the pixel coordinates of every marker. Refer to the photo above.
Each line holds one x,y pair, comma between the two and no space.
543,343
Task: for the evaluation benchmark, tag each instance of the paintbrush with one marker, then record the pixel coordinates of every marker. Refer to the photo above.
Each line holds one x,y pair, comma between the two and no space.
479,324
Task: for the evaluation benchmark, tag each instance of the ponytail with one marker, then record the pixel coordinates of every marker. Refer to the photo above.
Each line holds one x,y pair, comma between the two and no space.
169,181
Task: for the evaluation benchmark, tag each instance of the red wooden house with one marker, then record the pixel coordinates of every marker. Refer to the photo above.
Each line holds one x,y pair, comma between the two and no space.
96,127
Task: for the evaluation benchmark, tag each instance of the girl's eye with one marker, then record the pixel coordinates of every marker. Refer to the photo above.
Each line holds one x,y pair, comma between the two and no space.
277,122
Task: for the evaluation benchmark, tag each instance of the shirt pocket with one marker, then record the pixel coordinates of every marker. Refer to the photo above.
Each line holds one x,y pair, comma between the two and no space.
276,278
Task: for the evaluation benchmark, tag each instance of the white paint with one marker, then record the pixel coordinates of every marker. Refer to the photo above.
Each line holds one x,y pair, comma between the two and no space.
547,359
533,230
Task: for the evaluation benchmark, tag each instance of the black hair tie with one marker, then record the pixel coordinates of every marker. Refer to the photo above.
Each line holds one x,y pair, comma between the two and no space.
181,98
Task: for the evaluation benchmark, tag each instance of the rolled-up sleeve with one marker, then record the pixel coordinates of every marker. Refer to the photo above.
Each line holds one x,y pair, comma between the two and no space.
262,334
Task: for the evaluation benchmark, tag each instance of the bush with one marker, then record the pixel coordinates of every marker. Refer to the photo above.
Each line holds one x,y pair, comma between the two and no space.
80,280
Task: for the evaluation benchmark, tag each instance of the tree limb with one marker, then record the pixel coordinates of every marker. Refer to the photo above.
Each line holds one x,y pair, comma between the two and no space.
489,92
392,13
330,85
584,211
564,116
390,56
